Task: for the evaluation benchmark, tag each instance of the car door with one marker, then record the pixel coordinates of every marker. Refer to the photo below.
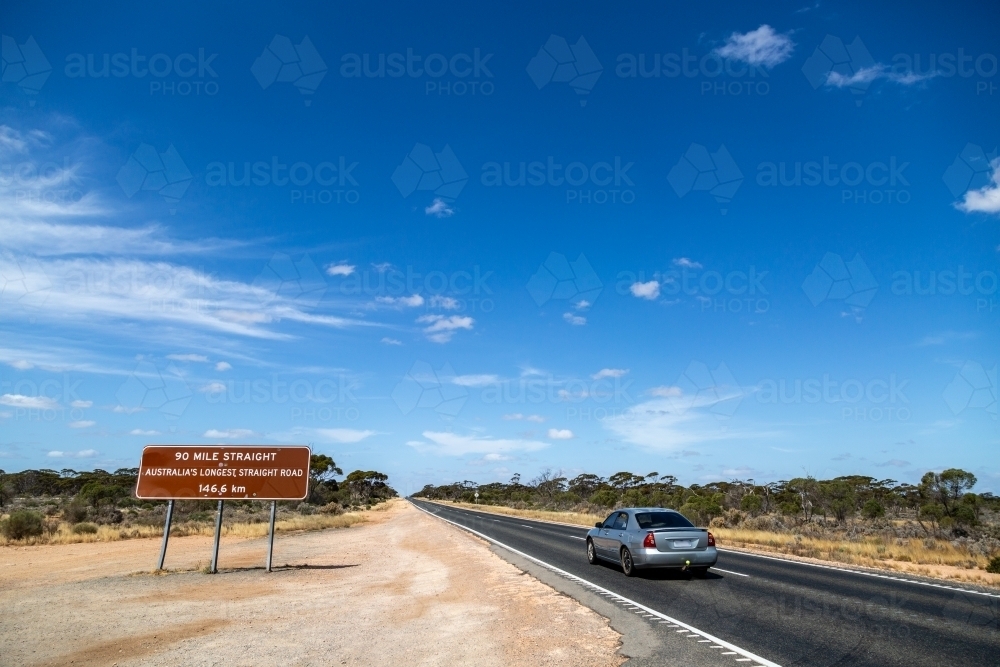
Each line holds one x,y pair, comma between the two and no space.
603,540
617,534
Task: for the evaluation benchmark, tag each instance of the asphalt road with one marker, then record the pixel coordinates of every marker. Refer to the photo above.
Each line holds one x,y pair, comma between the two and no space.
786,612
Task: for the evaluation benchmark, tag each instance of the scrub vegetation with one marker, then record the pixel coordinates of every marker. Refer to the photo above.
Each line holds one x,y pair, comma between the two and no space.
67,506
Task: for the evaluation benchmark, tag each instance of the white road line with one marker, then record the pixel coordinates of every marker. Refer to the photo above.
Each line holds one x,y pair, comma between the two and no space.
738,574
572,577
865,574
576,538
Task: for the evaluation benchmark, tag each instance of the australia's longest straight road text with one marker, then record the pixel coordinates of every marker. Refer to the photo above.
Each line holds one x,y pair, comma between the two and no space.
787,612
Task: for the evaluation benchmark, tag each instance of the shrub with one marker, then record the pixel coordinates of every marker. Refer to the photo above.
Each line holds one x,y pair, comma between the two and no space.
23,524
873,509
75,512
85,529
993,566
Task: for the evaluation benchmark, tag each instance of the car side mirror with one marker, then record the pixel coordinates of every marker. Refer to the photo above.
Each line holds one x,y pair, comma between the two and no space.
598,524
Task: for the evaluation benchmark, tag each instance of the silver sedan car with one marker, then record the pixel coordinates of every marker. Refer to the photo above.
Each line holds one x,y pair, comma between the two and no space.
646,537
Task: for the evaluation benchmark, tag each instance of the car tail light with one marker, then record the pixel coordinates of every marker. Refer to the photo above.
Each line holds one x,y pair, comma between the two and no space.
711,540
649,542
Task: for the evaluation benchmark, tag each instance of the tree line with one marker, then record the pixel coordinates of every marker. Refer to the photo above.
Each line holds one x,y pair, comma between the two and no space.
99,488
940,501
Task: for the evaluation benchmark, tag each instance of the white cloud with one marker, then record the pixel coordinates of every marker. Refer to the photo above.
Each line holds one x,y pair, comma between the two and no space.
687,263
445,302
83,423
452,444
560,433
609,373
866,75
341,269
665,392
517,416
391,341
22,365
404,301
440,208
650,290
231,433
496,457
81,404
762,46
213,388
575,320
475,380
82,454
223,366
29,402
342,435
582,304
440,329
987,198
189,357
139,431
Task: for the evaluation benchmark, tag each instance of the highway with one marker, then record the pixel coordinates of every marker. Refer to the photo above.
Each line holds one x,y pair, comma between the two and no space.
785,612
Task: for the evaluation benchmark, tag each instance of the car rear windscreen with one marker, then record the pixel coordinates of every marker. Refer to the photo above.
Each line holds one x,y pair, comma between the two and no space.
662,520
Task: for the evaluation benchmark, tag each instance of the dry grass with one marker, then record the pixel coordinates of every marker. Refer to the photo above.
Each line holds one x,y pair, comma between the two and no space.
575,518
64,533
936,558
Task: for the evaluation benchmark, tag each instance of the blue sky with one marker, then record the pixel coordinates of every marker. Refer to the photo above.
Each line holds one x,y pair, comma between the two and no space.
459,243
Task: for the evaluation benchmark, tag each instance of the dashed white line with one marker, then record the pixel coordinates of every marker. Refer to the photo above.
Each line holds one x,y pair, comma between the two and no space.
621,598
738,574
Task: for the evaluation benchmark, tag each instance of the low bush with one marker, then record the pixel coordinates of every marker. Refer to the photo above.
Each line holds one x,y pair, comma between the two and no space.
85,529
23,524
994,565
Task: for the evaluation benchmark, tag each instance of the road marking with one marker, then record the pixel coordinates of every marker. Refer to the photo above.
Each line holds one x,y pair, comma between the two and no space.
576,538
524,526
865,574
572,577
738,574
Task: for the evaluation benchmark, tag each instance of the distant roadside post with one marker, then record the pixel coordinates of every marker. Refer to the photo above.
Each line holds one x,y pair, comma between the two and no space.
477,497
222,472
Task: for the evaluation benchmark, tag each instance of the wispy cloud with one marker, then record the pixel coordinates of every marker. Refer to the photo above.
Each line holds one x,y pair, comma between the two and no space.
230,433
866,75
441,329
412,301
189,357
475,380
687,263
82,423
453,444
28,402
560,434
575,320
609,373
391,341
762,46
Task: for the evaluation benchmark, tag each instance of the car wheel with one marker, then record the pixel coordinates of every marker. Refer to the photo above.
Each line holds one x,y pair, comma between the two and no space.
591,554
628,567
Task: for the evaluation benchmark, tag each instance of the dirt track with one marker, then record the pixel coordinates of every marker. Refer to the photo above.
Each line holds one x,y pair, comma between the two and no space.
403,589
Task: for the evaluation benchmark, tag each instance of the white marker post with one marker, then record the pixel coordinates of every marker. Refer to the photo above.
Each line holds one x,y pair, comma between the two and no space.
477,497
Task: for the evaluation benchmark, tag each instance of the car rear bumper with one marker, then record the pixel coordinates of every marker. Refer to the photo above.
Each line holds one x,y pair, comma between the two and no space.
655,558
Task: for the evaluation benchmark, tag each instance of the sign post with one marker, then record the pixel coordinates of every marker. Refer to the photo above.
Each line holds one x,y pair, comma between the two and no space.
477,497
270,535
166,534
222,472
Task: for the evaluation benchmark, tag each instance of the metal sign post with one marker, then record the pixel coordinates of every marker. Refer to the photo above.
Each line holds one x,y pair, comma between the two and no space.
477,497
270,535
166,534
218,533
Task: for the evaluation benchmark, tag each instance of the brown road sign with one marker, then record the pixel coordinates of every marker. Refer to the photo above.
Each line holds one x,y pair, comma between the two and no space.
223,472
